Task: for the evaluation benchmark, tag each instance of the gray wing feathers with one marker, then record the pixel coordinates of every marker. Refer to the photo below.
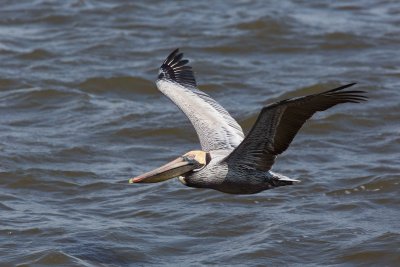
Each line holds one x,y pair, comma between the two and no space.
214,125
278,124
225,114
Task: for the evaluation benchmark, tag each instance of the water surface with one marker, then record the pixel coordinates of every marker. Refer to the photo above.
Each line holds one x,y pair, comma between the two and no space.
80,114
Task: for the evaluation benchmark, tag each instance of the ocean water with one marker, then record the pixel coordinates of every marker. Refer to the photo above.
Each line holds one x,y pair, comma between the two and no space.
80,114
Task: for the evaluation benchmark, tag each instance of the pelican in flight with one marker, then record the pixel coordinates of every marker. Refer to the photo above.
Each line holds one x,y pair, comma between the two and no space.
228,161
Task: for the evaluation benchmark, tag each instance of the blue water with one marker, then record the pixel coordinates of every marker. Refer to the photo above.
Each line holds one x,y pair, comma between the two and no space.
80,115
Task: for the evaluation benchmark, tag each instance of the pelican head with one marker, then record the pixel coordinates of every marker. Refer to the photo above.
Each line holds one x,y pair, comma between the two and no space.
191,161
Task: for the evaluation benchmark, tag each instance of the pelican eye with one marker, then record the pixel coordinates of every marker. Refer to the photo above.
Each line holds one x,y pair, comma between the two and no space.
190,158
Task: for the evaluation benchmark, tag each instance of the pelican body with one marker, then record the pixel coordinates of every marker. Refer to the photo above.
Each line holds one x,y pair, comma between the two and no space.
228,161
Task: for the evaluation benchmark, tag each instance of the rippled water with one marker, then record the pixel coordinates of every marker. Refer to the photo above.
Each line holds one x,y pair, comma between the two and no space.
80,114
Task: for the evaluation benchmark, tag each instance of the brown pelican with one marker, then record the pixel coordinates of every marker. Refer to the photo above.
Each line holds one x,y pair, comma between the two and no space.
228,161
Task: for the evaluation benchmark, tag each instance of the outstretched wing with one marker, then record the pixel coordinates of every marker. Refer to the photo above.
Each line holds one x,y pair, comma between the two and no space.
215,127
278,124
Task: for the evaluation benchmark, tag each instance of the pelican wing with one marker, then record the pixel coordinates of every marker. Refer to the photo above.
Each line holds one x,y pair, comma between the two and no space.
278,124
215,127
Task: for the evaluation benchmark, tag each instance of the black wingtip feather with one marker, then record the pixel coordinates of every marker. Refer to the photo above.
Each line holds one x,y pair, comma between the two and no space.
341,87
353,96
174,69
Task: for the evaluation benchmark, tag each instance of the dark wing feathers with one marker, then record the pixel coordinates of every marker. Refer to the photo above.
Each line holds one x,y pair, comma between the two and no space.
278,124
174,69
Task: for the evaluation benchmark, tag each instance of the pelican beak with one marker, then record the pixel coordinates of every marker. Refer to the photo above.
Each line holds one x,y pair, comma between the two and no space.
170,170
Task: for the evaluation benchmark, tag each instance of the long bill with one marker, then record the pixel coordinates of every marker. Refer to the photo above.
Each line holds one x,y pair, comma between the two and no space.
170,170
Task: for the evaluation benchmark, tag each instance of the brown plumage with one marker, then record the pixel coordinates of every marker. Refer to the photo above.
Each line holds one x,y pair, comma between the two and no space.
279,123
228,161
